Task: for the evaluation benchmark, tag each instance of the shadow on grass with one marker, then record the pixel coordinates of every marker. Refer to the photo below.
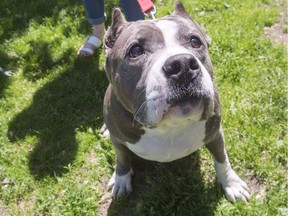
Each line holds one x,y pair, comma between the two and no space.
40,60
71,101
4,64
16,15
4,80
175,188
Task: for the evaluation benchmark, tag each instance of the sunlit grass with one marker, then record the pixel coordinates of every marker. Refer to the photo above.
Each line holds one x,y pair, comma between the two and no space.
53,160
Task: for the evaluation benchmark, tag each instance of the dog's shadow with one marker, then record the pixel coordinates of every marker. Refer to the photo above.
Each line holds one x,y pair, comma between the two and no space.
71,102
176,188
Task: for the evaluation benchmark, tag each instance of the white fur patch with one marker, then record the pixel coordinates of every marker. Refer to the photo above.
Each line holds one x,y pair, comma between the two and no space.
233,186
170,141
120,185
157,87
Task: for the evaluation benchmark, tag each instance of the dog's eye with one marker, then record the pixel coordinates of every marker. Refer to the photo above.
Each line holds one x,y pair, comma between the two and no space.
195,42
136,51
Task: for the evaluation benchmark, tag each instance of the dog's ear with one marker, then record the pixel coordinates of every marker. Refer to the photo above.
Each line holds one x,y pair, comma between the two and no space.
114,30
179,10
209,40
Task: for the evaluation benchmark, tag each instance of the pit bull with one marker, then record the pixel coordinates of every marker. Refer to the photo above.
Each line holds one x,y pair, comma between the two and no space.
161,102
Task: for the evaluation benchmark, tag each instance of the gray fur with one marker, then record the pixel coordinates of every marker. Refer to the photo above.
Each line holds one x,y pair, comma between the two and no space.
126,106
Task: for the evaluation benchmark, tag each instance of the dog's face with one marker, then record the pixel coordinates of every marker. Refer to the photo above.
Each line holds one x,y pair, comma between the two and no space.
160,69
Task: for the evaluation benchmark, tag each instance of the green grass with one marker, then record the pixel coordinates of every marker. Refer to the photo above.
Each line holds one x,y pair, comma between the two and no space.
53,160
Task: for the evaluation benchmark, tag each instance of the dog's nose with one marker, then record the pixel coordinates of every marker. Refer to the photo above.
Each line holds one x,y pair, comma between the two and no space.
181,67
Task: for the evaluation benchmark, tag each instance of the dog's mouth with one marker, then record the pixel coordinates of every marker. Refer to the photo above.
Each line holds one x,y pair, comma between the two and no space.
184,108
175,103
189,108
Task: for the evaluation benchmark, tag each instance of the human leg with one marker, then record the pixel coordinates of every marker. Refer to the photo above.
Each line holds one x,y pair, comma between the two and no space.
132,10
95,15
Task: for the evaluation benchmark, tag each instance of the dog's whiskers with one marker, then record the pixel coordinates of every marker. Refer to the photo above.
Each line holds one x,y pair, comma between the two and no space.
143,91
139,110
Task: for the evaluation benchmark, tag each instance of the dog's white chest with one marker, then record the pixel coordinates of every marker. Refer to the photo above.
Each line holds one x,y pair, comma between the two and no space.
171,142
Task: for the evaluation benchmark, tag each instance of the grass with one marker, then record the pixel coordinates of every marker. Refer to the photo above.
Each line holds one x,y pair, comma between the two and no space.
53,160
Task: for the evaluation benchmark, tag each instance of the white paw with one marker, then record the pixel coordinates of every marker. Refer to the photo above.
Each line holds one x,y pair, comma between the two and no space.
234,187
105,132
120,185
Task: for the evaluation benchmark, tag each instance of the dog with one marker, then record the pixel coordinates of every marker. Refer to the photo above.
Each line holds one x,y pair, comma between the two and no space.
161,102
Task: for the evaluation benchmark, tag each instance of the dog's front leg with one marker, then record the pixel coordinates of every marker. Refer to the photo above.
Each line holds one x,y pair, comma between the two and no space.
234,187
120,182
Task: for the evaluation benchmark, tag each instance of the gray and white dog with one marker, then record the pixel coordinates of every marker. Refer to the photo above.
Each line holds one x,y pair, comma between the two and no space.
161,102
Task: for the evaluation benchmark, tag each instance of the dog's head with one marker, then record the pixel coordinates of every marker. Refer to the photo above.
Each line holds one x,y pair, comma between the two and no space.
160,69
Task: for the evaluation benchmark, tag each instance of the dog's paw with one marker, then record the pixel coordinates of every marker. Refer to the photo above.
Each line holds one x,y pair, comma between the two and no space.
120,185
104,132
234,187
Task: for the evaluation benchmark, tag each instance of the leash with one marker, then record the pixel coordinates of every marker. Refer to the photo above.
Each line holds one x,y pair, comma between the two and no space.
148,8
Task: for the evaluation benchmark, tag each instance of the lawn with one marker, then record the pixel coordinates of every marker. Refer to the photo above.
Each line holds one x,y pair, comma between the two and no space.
53,160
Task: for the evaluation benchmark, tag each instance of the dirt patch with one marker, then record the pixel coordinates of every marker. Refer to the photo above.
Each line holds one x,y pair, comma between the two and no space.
256,185
106,197
3,210
26,205
278,32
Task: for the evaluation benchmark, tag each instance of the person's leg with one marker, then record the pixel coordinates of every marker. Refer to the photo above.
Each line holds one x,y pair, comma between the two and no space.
94,11
132,10
95,14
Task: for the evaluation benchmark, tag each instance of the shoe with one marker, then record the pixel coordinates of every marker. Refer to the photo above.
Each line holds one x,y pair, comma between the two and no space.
93,42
